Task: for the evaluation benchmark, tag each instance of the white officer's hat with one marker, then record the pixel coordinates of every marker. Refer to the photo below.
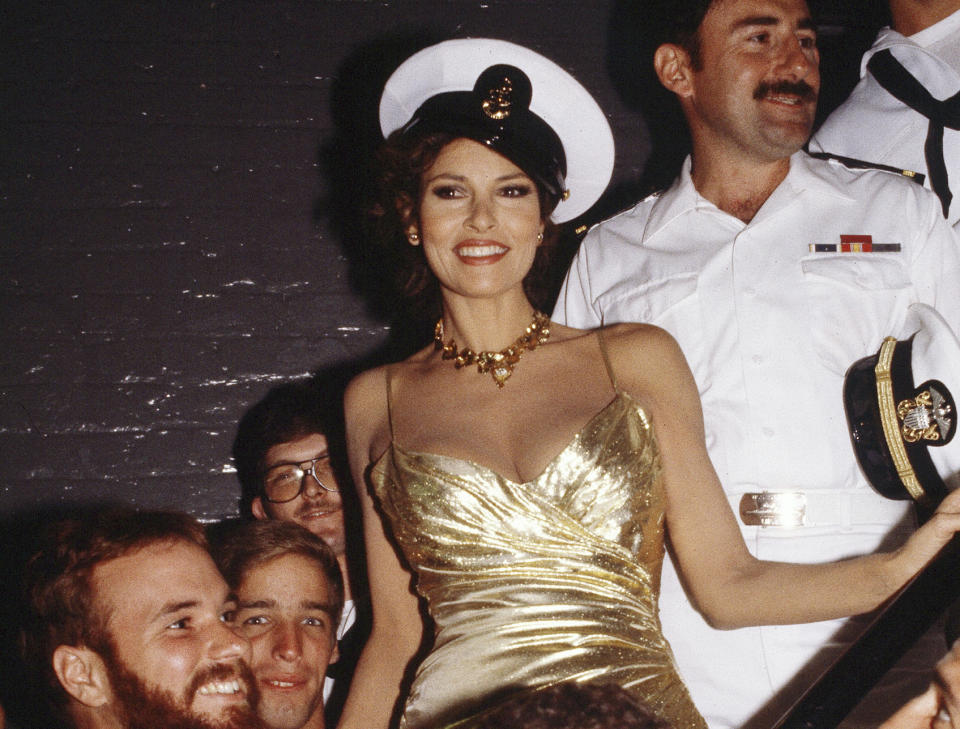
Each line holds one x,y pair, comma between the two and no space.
515,101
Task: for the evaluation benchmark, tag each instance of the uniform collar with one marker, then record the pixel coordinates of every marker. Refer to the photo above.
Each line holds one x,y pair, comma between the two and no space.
886,38
806,176
931,71
679,199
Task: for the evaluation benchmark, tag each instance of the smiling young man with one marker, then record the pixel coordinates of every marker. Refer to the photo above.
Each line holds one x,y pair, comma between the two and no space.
289,599
289,456
130,625
774,271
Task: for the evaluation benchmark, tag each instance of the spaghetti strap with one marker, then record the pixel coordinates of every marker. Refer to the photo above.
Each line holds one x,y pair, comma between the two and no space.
606,360
389,379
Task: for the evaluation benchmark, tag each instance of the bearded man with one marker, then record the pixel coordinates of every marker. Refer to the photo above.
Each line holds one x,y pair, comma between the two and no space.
131,624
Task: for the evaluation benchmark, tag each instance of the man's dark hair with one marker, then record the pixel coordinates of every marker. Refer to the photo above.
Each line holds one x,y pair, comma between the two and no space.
636,30
247,545
679,22
59,578
572,705
288,412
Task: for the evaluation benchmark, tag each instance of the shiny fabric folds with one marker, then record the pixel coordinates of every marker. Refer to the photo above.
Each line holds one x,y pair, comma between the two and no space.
536,583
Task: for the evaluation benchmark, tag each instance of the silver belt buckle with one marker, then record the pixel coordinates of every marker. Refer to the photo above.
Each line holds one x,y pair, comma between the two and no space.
782,509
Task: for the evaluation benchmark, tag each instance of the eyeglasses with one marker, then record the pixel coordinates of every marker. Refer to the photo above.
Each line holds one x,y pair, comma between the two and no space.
285,481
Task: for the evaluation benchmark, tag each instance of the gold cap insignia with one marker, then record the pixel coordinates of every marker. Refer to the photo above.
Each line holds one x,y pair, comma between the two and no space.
926,416
497,104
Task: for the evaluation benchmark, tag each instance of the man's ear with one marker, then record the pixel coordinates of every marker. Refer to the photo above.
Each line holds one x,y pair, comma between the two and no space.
335,653
672,64
256,508
83,675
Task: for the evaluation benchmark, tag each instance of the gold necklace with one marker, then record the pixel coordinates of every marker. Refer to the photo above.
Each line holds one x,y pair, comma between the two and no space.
499,364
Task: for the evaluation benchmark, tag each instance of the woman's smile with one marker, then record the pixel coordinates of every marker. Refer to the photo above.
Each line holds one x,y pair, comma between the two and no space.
480,252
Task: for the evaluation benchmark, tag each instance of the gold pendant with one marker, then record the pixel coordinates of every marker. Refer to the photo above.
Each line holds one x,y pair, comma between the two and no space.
501,373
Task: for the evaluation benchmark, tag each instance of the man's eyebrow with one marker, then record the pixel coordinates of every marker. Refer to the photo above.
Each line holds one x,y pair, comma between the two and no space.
756,20
319,457
174,607
326,607
805,23
261,604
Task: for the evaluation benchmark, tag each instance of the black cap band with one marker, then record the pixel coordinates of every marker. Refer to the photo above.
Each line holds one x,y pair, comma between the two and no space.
497,114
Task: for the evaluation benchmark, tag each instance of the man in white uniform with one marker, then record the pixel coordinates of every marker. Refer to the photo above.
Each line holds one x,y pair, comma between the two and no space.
905,111
775,272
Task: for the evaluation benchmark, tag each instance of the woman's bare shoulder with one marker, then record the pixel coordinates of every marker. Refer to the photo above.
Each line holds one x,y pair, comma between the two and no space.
365,400
367,415
641,341
648,362
368,385
628,332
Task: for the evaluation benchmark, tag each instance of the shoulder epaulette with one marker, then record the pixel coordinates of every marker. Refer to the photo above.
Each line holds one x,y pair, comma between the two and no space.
594,220
859,164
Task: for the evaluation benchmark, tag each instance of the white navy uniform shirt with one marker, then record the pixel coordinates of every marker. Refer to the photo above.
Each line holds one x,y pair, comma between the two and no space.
874,126
769,327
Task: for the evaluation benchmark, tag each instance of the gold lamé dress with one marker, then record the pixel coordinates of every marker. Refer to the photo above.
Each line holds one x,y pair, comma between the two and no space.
530,584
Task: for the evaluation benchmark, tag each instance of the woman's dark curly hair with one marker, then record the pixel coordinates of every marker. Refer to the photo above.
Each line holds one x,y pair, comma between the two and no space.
401,162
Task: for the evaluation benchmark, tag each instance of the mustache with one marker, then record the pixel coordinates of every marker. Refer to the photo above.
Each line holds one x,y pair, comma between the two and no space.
323,500
797,88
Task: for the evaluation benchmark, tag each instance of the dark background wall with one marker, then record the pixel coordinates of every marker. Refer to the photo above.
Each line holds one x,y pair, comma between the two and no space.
172,246
178,191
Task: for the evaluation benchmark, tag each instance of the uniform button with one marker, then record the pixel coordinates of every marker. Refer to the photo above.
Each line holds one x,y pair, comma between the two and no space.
757,359
768,432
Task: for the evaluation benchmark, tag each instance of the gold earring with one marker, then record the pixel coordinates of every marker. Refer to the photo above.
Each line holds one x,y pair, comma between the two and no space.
413,238
540,237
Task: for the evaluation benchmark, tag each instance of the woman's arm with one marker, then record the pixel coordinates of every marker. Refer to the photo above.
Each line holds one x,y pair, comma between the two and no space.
729,586
397,625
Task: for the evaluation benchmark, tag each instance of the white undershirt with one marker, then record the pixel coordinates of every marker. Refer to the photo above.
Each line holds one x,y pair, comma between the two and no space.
347,618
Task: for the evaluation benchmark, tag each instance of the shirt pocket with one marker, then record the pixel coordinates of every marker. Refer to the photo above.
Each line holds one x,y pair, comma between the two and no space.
649,301
853,302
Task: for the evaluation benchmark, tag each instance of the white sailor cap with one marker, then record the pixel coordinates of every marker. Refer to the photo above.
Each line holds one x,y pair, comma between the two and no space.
517,102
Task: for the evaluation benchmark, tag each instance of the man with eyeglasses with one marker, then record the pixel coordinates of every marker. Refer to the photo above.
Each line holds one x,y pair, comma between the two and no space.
288,453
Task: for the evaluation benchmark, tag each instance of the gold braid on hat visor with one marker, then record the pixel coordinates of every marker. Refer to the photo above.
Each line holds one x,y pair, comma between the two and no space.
891,423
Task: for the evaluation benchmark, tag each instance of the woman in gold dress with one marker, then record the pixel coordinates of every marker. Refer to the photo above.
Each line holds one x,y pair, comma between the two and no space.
526,500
